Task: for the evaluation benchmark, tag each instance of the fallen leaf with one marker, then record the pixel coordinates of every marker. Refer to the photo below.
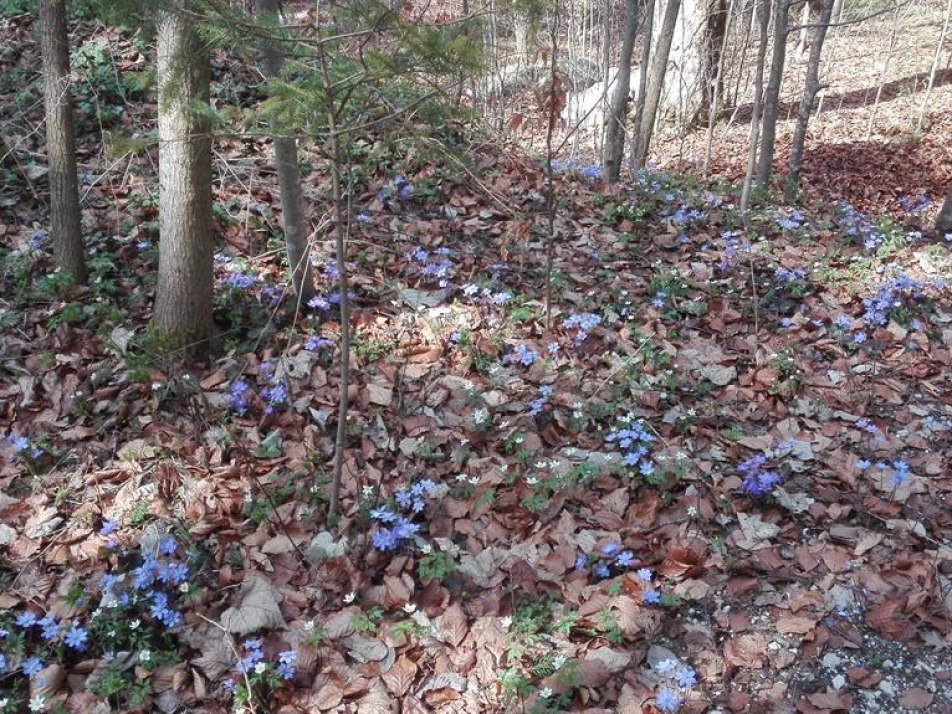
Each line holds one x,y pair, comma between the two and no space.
258,608
399,678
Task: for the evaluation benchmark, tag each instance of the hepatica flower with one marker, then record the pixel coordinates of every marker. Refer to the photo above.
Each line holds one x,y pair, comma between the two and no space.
668,700
286,664
395,525
522,355
32,666
238,396
758,478
22,448
76,638
583,322
679,678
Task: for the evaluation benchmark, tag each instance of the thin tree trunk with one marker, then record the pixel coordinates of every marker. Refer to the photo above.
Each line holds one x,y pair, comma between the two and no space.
718,90
758,100
772,95
810,88
893,36
341,229
618,114
659,66
935,65
289,174
65,226
642,85
183,296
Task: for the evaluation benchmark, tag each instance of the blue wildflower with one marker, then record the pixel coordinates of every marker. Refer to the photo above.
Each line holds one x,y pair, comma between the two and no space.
49,627
76,638
685,677
31,666
25,619
668,700
286,664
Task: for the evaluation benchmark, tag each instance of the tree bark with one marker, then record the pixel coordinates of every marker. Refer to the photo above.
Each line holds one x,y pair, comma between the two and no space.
618,112
289,175
943,224
642,85
810,88
65,226
183,298
659,66
772,94
764,17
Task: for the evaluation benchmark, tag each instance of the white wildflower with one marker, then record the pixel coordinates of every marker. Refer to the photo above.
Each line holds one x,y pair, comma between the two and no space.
349,597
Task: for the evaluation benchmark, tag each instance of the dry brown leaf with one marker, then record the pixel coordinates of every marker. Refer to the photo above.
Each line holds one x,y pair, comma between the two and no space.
795,624
452,625
746,651
399,678
831,701
915,698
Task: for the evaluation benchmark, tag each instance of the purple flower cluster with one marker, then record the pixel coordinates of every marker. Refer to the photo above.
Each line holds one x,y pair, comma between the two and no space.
732,244
679,679
584,322
316,342
398,187
785,276
501,297
395,528
790,221
538,404
144,594
522,355
855,226
589,171
435,266
914,204
238,394
633,440
609,559
899,470
276,395
758,478
240,280
22,448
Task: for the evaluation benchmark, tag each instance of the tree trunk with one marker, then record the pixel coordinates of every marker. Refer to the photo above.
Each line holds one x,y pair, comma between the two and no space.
943,224
289,174
772,95
642,85
65,228
659,66
183,297
810,88
764,17
618,113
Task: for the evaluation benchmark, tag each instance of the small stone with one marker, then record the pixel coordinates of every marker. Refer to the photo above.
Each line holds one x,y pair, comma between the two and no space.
886,687
831,660
838,682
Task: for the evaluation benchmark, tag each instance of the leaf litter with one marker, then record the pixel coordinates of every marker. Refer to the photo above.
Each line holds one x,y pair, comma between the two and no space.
827,592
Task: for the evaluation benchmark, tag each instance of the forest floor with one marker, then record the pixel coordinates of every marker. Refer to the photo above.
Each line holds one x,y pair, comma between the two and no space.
713,471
